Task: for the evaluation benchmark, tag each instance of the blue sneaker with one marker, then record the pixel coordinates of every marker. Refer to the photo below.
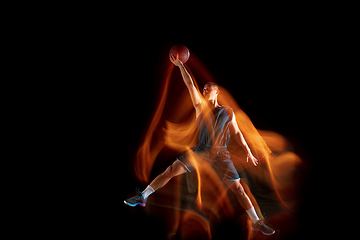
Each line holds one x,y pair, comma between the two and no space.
137,200
260,226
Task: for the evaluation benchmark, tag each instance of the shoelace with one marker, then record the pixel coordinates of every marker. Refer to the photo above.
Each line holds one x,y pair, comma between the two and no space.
260,222
138,192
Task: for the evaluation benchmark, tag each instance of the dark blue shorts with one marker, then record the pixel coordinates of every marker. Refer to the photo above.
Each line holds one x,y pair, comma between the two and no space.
219,160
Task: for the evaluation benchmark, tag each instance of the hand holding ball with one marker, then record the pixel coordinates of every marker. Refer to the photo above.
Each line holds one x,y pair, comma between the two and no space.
179,52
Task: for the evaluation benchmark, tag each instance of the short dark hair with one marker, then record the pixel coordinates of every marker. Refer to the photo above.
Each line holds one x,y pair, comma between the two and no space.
213,85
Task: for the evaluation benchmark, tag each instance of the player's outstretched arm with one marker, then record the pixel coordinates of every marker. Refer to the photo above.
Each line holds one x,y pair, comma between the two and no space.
194,94
241,140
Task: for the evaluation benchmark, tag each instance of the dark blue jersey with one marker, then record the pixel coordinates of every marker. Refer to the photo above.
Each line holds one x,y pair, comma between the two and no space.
214,127
214,136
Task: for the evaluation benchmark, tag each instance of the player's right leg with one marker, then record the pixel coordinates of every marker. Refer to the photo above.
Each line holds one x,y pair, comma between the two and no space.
173,170
245,202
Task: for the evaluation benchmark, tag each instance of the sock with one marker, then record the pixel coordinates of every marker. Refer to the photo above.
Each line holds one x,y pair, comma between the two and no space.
148,190
252,214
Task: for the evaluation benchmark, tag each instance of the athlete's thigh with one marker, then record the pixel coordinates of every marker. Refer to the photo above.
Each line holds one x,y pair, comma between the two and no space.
178,168
185,162
235,186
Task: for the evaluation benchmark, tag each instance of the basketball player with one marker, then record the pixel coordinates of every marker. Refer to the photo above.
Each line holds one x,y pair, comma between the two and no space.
213,140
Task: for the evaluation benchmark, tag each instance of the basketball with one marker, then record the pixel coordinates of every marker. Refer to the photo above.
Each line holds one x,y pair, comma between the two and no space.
183,52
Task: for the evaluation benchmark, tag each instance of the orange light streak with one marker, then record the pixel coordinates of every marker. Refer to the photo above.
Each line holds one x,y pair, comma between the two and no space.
277,172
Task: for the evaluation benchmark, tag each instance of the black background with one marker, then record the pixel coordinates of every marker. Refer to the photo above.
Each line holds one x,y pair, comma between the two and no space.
272,69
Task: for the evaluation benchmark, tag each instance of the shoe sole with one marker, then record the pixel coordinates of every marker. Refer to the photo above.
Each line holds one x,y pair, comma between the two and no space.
136,204
257,229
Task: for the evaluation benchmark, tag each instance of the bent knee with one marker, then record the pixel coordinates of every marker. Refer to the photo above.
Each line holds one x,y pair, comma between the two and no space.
174,170
237,188
169,171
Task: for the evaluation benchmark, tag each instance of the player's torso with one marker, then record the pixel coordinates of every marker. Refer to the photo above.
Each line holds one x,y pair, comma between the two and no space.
214,127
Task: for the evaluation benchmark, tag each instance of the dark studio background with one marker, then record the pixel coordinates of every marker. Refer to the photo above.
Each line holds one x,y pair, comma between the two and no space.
272,70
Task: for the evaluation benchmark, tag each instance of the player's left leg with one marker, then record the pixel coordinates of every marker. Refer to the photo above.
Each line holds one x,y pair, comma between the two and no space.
245,202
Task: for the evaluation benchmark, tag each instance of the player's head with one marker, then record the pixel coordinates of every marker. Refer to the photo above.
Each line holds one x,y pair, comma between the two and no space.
210,91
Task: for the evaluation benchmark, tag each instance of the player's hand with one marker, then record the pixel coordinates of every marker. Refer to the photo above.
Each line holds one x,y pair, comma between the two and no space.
175,60
253,159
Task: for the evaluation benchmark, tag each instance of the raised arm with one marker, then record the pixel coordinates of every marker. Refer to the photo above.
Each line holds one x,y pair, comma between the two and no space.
194,94
241,140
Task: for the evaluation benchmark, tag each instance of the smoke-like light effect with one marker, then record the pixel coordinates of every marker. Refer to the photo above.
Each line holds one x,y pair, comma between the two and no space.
177,130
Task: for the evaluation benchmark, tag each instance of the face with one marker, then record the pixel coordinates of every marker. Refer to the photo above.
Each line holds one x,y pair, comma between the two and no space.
210,92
